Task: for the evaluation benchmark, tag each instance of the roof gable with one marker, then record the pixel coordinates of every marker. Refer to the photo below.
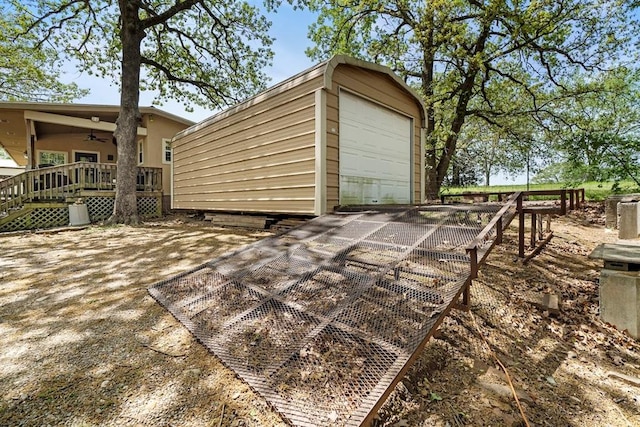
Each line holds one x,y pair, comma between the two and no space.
324,69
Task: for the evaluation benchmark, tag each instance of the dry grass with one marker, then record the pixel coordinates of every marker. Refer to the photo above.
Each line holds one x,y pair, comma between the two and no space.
84,344
560,364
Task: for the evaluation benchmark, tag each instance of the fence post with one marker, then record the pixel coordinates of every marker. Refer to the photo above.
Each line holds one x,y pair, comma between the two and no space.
520,227
571,197
563,202
533,229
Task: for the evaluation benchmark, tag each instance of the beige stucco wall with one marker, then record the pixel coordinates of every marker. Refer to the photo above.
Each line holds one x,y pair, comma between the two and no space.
377,87
68,142
159,128
261,158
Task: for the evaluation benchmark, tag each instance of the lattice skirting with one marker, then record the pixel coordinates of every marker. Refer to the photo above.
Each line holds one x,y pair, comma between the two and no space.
101,208
148,207
38,218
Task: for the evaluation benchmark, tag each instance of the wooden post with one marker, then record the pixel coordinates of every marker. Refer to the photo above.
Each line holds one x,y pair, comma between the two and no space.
499,231
520,227
533,229
540,224
571,197
548,229
466,294
563,202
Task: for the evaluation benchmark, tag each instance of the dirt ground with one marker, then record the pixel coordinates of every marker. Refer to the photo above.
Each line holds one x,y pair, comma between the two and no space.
82,343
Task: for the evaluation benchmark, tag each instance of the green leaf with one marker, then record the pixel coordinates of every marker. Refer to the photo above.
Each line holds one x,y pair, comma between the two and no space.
435,396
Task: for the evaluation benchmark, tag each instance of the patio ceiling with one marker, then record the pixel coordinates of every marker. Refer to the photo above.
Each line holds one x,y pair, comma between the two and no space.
17,125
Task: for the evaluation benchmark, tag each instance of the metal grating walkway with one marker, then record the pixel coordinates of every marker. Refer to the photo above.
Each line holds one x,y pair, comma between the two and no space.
323,319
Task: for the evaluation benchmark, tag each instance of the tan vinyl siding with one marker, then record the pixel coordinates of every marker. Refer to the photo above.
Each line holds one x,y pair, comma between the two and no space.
379,88
260,158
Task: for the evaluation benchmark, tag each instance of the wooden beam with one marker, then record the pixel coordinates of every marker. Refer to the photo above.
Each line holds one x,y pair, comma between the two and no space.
78,122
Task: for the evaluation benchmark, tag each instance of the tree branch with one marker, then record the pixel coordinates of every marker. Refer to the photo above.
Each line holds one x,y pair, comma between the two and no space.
159,18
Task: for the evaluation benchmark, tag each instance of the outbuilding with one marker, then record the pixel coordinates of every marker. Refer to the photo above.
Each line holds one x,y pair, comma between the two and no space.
344,132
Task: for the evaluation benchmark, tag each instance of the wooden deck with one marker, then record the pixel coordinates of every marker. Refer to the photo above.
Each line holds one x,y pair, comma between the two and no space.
39,198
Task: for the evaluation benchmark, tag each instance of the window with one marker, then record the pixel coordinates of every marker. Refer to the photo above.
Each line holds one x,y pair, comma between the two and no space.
51,158
86,156
140,152
166,151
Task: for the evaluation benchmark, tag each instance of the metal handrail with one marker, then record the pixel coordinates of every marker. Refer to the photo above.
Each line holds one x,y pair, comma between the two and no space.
497,222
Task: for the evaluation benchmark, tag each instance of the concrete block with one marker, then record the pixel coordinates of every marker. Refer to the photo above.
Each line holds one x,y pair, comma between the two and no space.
620,300
611,208
629,225
611,212
546,302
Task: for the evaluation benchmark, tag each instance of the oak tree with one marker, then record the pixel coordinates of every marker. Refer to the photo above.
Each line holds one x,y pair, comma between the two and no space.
206,52
460,53
28,74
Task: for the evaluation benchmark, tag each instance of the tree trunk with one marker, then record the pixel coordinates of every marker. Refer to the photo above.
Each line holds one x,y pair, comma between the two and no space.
433,187
125,209
431,157
465,93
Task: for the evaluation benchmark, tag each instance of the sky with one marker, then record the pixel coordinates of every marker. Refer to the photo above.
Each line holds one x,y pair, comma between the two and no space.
289,29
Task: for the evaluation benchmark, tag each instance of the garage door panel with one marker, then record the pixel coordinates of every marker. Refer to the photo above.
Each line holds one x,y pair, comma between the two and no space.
369,166
375,153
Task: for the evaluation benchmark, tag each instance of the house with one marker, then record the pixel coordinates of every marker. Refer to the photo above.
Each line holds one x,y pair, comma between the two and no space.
37,135
9,168
343,132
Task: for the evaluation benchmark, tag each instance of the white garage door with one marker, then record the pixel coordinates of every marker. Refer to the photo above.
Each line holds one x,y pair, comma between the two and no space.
375,153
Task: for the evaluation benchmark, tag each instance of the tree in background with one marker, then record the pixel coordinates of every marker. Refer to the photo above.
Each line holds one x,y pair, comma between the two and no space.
597,134
28,74
206,52
484,148
460,54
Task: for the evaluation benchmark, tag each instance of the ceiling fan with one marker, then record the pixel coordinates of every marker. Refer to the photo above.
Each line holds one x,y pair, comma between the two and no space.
94,137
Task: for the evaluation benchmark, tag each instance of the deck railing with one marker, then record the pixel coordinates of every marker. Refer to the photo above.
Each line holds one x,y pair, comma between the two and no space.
60,182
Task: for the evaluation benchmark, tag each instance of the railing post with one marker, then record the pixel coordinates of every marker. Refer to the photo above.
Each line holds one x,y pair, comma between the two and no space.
499,231
81,177
27,186
473,257
563,202
571,204
534,225
473,273
520,227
